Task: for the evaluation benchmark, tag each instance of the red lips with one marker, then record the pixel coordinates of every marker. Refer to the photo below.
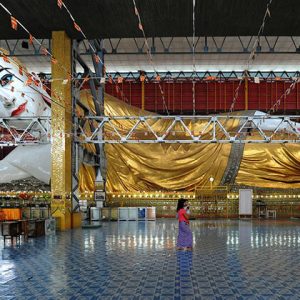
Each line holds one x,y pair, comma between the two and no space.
19,110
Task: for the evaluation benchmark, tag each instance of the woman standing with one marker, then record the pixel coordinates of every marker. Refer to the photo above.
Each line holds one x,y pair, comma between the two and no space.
185,236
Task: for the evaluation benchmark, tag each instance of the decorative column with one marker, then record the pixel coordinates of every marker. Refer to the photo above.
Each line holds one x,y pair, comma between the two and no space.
61,173
246,92
142,79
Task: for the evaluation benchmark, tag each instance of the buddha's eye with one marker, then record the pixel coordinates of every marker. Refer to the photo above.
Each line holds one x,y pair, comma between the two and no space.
5,79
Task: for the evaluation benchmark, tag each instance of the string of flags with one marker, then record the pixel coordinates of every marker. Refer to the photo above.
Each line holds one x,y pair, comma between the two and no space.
292,86
148,50
31,80
194,61
252,55
61,4
45,51
14,24
30,77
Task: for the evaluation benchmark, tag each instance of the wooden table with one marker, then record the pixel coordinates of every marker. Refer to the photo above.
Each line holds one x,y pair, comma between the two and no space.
11,229
36,227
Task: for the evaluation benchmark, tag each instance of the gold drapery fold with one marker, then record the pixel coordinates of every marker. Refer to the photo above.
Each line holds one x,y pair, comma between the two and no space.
140,167
175,167
115,107
86,178
270,166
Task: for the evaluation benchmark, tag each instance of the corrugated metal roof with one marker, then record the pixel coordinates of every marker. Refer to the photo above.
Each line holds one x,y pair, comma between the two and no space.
116,18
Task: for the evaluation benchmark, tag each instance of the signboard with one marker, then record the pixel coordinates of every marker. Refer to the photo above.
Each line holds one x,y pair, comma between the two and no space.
245,202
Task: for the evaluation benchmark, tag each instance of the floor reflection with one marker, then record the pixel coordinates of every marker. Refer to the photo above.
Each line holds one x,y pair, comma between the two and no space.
231,260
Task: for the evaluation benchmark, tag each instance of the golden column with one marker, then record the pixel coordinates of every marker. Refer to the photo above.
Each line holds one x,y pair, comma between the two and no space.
142,79
143,94
246,92
61,126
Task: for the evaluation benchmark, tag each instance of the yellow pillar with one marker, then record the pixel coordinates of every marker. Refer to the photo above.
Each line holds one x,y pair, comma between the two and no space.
61,172
143,94
246,93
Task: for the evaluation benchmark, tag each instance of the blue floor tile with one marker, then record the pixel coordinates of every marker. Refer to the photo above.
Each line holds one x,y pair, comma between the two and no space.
133,260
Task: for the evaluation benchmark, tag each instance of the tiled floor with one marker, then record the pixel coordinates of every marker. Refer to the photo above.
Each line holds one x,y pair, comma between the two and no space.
137,260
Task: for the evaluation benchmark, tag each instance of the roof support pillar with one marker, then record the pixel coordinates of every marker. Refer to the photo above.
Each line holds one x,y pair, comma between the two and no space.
61,150
246,92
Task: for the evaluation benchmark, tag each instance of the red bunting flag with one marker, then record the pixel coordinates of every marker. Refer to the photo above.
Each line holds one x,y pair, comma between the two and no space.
20,70
44,51
141,27
210,78
120,79
14,23
76,26
142,78
157,78
59,3
54,60
85,79
110,80
30,39
97,58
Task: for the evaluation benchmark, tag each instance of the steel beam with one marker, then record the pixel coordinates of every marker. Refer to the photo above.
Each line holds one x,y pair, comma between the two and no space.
35,130
193,129
75,146
169,45
205,76
98,96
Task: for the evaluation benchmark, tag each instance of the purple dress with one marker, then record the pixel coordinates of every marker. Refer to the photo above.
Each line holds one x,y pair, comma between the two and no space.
185,236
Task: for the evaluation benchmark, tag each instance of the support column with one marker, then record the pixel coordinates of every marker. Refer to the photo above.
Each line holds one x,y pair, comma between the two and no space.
143,95
61,172
142,79
246,92
98,96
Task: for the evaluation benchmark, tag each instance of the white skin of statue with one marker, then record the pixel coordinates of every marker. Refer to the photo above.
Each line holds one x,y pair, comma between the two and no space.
20,100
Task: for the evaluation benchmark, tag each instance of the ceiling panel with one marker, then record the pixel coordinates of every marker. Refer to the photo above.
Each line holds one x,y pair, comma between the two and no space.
116,18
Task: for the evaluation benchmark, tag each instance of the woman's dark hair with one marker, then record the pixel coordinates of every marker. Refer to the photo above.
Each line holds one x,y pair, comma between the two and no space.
180,204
